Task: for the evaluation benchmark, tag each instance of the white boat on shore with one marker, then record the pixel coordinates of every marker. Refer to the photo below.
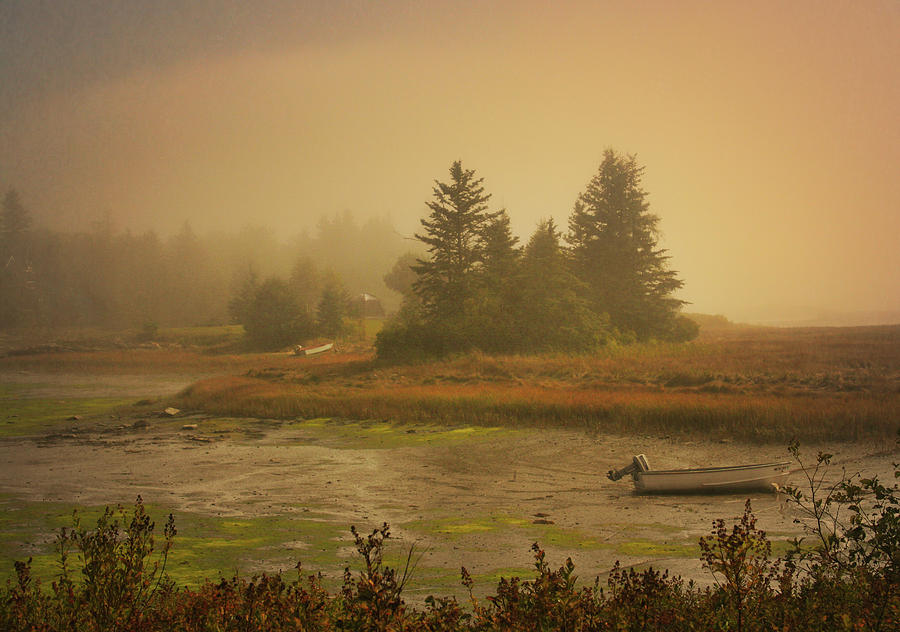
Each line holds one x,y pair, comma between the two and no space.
732,478
309,351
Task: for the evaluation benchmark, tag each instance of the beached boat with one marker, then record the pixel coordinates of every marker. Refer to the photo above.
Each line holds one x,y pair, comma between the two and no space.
733,478
308,351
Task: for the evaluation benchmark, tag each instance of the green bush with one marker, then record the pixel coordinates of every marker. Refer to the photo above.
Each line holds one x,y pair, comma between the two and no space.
274,317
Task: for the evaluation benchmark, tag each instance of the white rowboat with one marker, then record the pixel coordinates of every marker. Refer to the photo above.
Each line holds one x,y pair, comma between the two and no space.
733,478
308,351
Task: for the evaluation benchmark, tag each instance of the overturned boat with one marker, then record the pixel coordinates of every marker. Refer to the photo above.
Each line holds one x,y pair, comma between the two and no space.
733,478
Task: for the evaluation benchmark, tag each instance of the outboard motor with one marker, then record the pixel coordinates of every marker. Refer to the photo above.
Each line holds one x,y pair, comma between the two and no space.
638,464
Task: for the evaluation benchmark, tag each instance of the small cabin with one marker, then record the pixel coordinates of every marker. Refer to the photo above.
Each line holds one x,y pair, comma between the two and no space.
368,306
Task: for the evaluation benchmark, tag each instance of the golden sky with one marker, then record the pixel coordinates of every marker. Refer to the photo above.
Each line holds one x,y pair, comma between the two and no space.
770,131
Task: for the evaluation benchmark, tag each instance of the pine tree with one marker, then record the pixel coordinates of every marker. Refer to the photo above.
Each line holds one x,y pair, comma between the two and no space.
554,313
333,307
15,218
307,283
241,304
401,276
454,235
274,318
494,310
613,237
500,253
18,290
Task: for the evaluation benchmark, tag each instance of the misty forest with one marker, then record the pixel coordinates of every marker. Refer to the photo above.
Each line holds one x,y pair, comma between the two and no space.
106,278
474,286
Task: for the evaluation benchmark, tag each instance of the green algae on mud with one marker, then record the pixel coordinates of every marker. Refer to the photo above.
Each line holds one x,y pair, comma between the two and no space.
457,526
456,530
341,434
665,549
642,541
374,435
209,547
206,547
24,415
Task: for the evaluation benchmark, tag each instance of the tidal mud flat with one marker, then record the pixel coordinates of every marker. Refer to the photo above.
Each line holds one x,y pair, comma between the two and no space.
258,494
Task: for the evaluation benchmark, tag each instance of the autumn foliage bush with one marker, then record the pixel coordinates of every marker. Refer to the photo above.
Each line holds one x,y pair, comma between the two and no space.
847,578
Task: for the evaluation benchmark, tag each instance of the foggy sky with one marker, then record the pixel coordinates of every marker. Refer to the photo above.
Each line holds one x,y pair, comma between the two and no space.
770,131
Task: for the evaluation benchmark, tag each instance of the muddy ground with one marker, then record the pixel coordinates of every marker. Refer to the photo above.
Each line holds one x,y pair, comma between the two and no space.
465,496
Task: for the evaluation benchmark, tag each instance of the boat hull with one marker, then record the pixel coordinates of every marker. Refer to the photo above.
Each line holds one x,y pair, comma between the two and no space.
317,350
739,478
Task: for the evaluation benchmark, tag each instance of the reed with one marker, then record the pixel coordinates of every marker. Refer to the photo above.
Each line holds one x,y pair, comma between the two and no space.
747,417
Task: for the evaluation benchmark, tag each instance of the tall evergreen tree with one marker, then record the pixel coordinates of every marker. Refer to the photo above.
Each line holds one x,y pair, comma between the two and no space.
498,292
17,280
500,251
187,263
454,235
274,318
246,285
15,218
614,250
554,313
401,276
333,307
307,282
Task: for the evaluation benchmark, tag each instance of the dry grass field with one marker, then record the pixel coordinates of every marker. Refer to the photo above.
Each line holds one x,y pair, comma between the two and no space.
749,384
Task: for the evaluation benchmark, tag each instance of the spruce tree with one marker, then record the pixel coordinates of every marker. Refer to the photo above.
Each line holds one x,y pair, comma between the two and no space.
498,289
334,306
18,289
501,251
241,304
307,282
554,313
613,237
454,236
14,218
402,276
274,318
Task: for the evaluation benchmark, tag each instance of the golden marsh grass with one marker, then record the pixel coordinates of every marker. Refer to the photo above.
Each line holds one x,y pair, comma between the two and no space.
750,384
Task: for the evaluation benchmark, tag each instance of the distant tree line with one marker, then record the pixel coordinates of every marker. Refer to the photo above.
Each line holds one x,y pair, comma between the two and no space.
605,279
105,278
475,287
